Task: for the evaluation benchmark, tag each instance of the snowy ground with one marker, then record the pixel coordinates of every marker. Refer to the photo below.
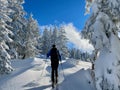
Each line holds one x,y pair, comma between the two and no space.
34,74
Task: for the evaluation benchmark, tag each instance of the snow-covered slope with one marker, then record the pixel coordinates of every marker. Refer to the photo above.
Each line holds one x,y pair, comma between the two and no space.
34,74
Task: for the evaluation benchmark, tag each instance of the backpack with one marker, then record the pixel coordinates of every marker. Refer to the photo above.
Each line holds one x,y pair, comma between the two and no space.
54,54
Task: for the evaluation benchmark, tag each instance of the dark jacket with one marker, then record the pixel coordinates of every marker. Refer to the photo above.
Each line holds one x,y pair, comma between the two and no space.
54,54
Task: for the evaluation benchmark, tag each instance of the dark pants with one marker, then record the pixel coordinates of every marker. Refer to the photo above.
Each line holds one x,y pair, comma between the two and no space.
54,72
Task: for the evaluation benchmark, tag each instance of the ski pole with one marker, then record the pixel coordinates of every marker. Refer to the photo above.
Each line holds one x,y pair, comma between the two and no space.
62,70
43,68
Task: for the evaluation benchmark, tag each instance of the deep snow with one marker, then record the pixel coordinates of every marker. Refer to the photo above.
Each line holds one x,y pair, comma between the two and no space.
34,74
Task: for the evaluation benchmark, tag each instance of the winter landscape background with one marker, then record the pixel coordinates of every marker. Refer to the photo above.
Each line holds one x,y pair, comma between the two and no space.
90,57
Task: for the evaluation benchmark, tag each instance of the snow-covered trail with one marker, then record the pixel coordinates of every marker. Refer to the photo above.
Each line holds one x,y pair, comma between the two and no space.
34,74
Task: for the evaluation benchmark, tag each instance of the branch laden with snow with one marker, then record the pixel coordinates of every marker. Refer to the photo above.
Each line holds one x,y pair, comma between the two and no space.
4,37
88,6
102,30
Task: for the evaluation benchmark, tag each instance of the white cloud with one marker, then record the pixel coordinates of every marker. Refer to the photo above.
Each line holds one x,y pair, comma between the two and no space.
74,37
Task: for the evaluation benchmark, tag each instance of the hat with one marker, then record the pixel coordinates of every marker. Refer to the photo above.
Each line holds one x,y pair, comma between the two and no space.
53,45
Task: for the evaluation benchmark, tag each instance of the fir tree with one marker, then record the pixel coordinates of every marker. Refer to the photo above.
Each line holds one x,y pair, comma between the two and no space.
18,25
62,42
54,36
102,30
4,37
45,41
31,39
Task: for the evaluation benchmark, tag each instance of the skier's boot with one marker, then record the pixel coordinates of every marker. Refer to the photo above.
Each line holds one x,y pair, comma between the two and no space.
52,84
56,80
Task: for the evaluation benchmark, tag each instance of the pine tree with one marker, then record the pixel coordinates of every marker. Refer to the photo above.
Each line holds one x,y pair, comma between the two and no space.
72,53
102,30
4,37
50,37
31,39
54,36
45,41
18,23
77,54
62,42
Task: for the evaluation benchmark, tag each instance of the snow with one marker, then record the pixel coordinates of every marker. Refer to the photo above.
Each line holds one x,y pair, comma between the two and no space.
34,74
107,61
102,29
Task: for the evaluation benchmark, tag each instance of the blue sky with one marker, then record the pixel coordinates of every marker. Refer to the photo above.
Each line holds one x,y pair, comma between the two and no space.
69,12
57,11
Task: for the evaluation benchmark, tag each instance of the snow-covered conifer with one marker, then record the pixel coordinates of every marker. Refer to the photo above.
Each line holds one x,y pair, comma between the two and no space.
102,30
45,41
31,39
72,53
62,42
18,25
54,36
4,37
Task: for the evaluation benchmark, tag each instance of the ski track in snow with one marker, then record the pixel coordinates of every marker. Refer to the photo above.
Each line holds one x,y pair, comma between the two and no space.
34,74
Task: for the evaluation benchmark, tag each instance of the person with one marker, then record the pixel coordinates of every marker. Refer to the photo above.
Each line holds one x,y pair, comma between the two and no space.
55,57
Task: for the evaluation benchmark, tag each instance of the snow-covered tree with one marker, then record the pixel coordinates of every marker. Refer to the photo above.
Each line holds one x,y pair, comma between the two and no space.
78,54
50,38
72,52
62,42
45,41
18,23
102,29
39,45
4,37
31,37
54,36
21,42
